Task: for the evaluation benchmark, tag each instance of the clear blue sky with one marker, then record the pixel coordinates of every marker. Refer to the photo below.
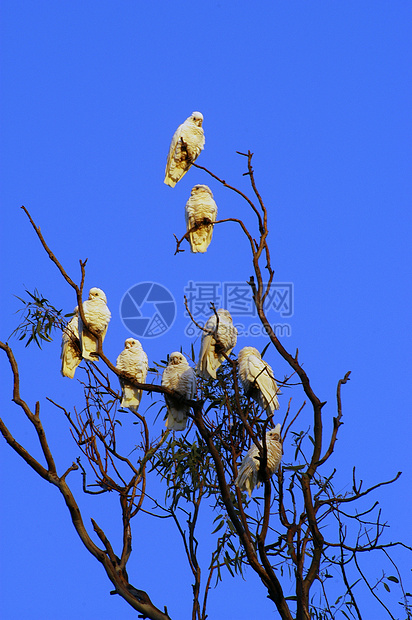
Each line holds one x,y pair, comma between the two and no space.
91,95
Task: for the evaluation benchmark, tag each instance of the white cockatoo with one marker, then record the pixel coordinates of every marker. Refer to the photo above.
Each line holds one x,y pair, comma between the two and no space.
185,147
257,379
201,211
249,472
218,338
71,353
133,361
181,378
97,315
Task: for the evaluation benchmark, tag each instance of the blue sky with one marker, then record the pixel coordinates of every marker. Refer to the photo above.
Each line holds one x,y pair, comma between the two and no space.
91,95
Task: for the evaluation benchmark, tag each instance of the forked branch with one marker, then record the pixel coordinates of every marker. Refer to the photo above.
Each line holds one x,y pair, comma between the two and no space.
138,599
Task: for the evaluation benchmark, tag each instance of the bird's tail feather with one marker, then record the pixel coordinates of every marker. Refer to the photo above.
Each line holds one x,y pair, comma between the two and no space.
89,345
246,479
131,398
176,419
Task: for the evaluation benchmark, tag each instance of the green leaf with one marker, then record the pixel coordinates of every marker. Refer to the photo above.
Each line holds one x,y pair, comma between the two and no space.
294,467
393,578
385,585
226,561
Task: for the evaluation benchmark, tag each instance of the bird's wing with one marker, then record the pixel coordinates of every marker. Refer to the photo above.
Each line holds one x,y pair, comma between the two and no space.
130,394
88,342
121,362
205,367
189,214
227,334
70,351
248,471
180,380
187,383
274,455
142,367
174,153
261,375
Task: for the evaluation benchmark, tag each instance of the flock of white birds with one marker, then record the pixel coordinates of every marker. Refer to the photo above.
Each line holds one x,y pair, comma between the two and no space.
219,334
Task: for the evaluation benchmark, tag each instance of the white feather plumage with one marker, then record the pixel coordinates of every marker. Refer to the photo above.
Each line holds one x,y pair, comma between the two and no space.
187,142
71,352
133,361
211,356
201,211
181,378
249,472
97,315
258,379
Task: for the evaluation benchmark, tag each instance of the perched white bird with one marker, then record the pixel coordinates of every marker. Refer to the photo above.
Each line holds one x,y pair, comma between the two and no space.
201,211
257,379
71,353
185,147
211,352
133,361
249,472
181,378
97,315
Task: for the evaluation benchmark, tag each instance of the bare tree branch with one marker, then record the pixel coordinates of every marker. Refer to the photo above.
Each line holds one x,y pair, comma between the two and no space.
290,534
